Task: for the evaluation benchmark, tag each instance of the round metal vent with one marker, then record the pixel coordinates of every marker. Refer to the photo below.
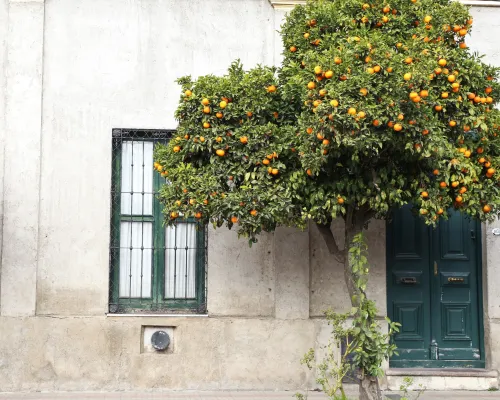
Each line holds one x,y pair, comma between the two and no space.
160,340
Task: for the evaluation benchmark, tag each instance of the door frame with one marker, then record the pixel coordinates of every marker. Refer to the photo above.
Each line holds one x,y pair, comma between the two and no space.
481,363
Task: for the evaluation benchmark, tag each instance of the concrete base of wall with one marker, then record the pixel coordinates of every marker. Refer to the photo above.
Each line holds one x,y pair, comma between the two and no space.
443,379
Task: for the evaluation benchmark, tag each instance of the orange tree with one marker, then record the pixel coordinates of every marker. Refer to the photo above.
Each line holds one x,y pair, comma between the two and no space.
375,105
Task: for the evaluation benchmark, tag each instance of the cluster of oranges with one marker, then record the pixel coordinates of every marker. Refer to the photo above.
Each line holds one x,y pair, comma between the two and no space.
158,167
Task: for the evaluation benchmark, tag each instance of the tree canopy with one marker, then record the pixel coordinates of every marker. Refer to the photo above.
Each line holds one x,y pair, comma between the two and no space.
375,105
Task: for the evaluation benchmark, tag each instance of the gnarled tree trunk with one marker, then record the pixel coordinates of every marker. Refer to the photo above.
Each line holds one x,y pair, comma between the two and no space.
355,221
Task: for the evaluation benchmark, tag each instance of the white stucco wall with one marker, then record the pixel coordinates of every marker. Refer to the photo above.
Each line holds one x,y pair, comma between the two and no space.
74,71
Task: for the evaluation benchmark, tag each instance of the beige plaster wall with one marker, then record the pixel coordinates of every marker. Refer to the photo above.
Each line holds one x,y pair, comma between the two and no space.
107,64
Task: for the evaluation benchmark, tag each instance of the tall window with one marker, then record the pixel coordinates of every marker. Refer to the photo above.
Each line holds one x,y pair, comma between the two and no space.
153,267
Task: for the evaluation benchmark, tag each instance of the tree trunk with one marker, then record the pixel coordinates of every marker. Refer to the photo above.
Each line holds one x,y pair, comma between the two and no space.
369,388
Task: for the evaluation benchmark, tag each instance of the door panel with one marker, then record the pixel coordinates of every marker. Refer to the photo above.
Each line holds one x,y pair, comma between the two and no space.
409,300
454,290
434,290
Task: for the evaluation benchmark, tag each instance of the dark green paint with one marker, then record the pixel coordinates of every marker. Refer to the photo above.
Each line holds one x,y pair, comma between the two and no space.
434,291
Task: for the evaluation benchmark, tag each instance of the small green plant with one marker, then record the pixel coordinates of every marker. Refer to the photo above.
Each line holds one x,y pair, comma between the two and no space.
405,386
365,346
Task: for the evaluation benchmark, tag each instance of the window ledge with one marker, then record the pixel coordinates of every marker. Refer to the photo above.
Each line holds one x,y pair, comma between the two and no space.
157,315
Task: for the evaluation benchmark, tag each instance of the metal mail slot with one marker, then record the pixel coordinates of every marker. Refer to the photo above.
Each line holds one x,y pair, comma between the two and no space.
409,280
461,279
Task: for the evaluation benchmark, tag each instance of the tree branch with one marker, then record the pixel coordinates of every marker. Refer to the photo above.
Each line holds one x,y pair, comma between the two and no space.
331,243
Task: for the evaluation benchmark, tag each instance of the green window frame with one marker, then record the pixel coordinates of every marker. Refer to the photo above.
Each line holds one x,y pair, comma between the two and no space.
153,268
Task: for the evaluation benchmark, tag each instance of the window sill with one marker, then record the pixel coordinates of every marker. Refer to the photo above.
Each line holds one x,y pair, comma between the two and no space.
135,315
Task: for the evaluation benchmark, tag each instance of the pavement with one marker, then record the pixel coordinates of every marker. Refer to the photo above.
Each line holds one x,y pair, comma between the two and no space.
229,395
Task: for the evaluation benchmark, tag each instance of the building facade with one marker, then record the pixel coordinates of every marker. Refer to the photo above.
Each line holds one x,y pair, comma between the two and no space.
80,80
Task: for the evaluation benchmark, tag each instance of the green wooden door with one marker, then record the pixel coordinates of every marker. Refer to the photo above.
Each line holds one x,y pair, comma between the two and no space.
434,291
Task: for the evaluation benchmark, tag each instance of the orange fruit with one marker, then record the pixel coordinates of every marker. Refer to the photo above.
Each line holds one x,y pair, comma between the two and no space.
443,184
311,85
265,161
220,152
444,95
486,208
435,172
363,91
253,213
320,136
337,60
309,172
376,122
271,89
425,132
401,117
174,215
407,76
451,78
438,71
370,70
452,123
462,190
424,195
206,125
462,45
205,102
323,92
188,93
459,199
438,108
389,69
361,114
176,149
351,111
244,139
408,60
197,215
334,103
427,19
328,74
293,49
440,211
490,171
462,32
309,130
398,127
219,115
424,93
442,62
223,104
306,35
386,9
340,200
454,184
234,219
377,68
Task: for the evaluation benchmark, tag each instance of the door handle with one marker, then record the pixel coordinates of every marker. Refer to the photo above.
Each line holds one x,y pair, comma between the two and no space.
435,268
473,234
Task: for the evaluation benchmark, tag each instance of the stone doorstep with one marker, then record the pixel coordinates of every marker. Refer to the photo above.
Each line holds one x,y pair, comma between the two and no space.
444,378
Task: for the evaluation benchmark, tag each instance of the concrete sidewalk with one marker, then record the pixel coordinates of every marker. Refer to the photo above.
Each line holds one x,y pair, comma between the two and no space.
224,395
